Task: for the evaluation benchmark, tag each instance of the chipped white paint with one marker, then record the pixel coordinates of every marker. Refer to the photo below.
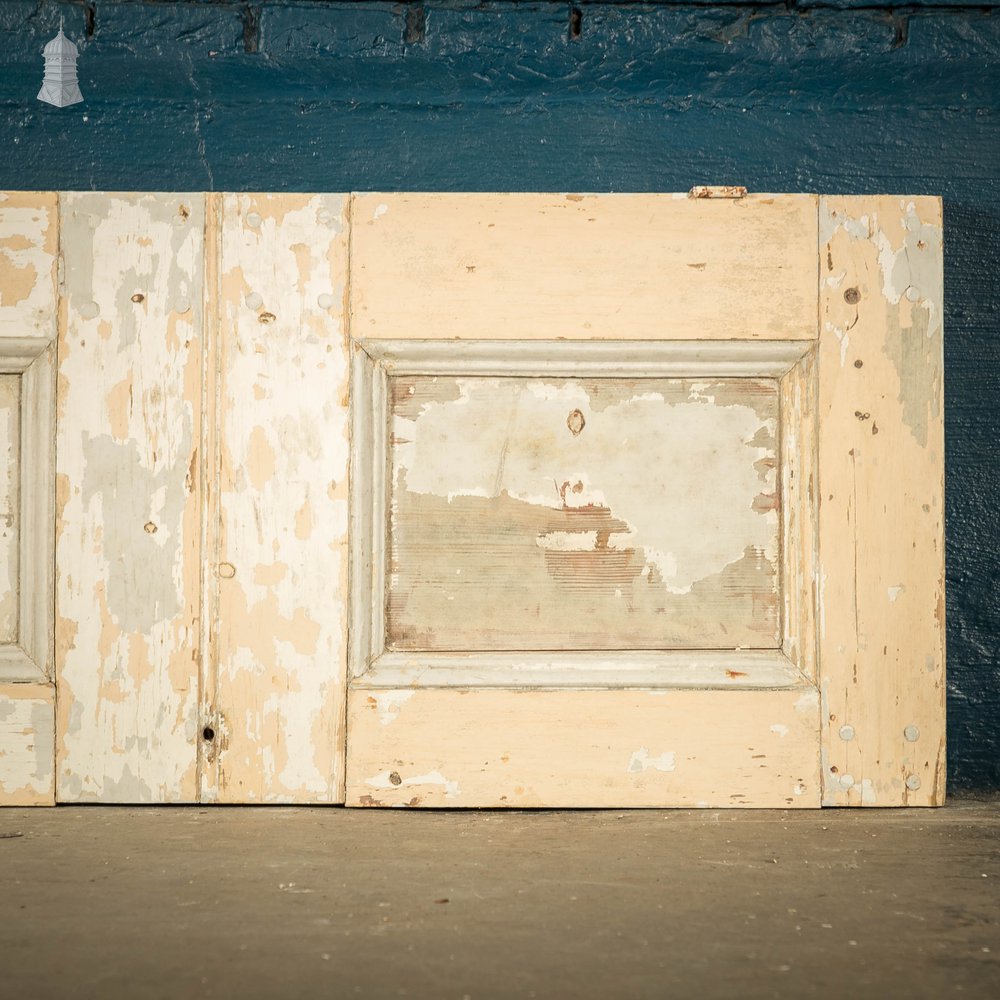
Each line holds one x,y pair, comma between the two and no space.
129,424
27,743
279,520
807,702
388,780
780,728
642,761
389,703
881,526
28,244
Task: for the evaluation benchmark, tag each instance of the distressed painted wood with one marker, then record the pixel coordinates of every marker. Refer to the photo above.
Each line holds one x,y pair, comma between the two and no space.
882,512
551,514
799,476
510,748
27,744
276,681
29,234
546,266
27,451
10,507
129,531
513,724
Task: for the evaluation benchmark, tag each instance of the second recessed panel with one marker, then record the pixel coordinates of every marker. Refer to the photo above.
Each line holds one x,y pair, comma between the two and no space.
560,513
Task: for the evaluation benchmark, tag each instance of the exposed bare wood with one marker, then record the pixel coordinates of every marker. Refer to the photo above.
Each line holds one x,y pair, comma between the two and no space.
128,549
581,267
881,458
511,748
279,558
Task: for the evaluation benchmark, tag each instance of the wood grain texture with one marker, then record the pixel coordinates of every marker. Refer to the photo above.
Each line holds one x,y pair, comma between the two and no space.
27,745
29,236
881,453
10,507
551,514
128,549
529,267
487,748
275,684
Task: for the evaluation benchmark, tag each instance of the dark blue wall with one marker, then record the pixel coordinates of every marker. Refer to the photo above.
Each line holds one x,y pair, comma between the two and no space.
840,97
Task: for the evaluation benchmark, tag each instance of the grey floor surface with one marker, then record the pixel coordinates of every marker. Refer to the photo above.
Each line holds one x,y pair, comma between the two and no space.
221,902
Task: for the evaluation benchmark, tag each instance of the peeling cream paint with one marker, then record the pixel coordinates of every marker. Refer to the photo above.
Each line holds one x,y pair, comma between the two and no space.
780,728
894,592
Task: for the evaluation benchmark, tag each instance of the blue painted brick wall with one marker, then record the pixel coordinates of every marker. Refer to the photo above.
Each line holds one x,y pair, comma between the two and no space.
835,96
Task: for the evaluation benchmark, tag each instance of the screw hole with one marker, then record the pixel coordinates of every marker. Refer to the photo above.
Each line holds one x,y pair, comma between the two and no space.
209,733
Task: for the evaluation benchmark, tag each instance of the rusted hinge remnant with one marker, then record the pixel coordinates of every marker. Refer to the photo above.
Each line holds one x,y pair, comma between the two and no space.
719,191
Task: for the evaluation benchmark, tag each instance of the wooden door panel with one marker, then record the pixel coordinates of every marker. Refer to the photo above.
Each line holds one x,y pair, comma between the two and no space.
583,267
520,518
583,748
645,499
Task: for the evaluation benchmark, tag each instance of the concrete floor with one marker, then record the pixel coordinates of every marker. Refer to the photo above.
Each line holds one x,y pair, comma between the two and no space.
299,903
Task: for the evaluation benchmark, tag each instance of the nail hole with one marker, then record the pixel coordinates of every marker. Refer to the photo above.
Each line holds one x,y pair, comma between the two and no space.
266,317
209,733
575,23
138,297
576,422
852,296
395,779
149,528
859,363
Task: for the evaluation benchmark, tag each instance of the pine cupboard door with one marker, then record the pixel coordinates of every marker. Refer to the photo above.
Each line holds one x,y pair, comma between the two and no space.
646,501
